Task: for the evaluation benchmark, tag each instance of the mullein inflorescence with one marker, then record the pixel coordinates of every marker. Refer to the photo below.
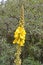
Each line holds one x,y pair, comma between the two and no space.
20,32
19,36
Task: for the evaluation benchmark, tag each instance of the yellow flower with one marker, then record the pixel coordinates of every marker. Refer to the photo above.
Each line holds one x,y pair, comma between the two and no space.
18,41
19,36
16,33
22,43
22,37
15,41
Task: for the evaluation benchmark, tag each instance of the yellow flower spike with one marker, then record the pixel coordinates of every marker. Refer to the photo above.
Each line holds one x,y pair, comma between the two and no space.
20,32
19,36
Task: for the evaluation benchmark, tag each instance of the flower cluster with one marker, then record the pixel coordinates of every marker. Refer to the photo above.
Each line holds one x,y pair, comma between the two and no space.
19,36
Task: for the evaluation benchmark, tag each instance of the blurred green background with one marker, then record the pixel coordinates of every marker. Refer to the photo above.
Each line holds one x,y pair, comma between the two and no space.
32,52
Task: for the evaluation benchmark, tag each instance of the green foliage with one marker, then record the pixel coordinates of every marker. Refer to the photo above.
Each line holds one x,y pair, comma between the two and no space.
6,53
30,61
